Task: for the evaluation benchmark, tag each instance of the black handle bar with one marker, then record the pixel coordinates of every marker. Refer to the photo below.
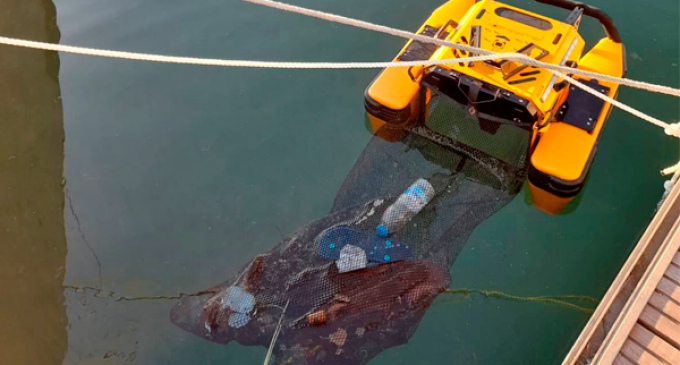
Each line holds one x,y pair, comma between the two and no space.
590,11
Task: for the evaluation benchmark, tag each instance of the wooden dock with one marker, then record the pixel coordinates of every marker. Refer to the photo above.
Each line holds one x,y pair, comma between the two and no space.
638,320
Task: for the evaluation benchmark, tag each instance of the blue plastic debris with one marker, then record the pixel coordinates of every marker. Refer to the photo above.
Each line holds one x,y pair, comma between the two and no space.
239,300
381,231
238,320
241,303
377,249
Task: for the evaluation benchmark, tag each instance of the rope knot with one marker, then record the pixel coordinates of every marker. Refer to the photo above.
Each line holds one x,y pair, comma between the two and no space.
673,170
673,130
667,186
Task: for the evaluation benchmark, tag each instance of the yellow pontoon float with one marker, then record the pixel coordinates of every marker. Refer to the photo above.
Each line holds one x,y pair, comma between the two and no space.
565,121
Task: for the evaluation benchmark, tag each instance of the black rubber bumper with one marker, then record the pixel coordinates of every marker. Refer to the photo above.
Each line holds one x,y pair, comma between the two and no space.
395,118
557,186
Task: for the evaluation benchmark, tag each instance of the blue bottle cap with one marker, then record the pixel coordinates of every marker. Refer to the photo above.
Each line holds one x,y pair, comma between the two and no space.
381,231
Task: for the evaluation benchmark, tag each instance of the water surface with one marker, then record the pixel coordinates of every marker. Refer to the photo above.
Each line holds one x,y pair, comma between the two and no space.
176,176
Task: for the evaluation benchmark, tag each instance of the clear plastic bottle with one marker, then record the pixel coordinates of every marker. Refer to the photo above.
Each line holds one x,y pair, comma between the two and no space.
410,203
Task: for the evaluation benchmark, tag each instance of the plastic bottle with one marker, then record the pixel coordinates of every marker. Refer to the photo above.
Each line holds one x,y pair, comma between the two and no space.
410,203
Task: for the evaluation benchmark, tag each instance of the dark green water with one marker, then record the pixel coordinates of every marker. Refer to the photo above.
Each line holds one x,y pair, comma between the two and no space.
177,176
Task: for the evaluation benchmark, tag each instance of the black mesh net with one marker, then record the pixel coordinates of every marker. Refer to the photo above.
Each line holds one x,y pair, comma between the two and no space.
359,280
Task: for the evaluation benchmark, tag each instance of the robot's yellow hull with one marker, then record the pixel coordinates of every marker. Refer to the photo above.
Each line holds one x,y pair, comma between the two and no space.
565,122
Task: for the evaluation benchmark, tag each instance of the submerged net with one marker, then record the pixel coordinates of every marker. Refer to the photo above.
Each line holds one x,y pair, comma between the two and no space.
348,289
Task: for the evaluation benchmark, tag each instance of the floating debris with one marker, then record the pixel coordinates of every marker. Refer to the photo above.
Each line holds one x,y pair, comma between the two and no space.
338,338
349,293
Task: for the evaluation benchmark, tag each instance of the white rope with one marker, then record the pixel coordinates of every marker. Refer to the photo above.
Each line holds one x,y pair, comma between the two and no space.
338,65
667,127
302,65
250,63
276,335
440,42
560,71
244,63
670,129
669,184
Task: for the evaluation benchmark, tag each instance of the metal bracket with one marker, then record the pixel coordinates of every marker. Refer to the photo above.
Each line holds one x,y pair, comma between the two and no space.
562,63
410,74
475,41
474,90
443,29
418,50
525,50
574,17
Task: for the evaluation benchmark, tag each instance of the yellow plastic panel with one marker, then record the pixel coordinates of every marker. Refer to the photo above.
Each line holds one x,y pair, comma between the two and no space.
606,58
563,150
394,88
502,34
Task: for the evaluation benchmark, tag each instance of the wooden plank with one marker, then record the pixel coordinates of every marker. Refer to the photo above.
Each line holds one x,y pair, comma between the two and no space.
669,288
638,303
620,360
673,273
664,304
676,259
668,209
661,325
655,345
639,355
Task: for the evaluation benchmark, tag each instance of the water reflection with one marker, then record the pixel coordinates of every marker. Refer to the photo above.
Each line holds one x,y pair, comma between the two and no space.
334,292
32,238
